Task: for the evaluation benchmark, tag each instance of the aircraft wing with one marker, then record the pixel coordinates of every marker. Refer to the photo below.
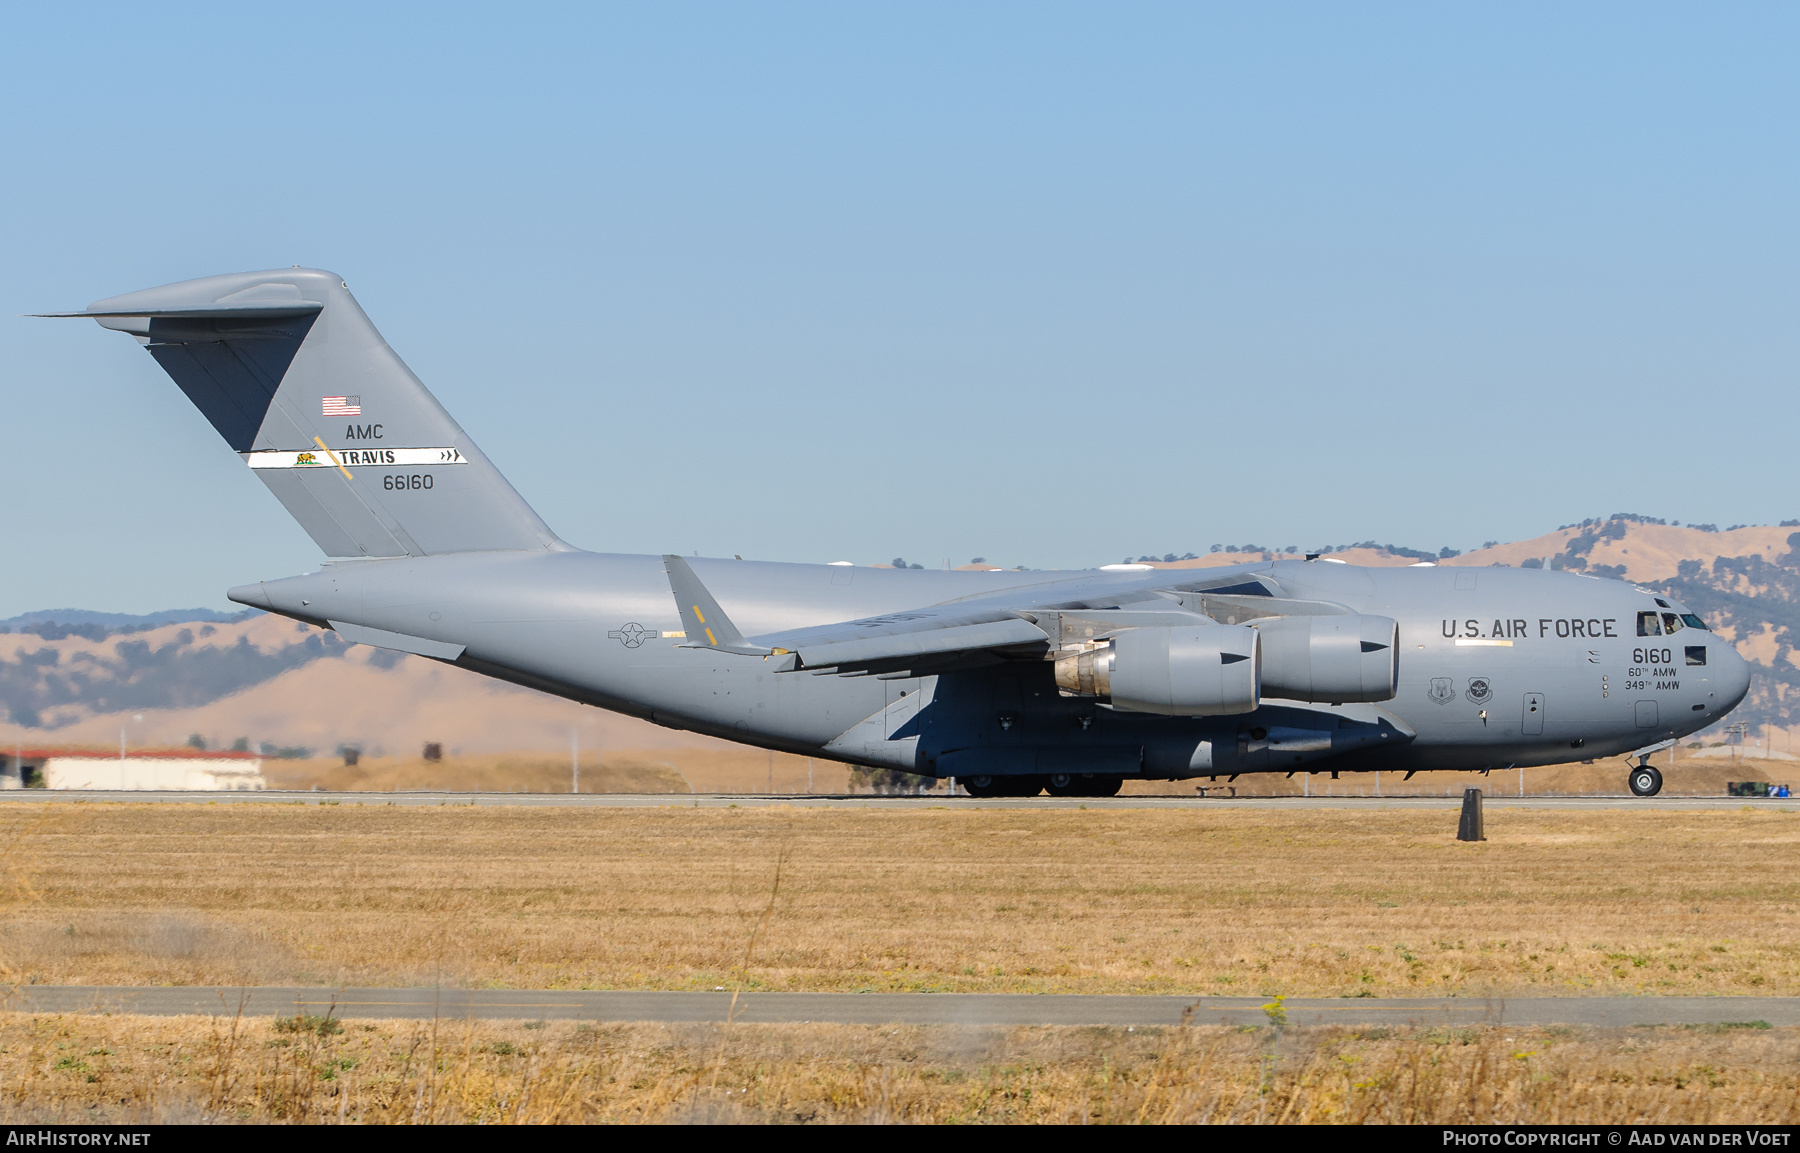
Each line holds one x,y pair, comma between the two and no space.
904,636
943,629
995,626
980,630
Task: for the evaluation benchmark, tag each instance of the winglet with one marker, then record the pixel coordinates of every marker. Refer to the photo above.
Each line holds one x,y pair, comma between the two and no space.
706,623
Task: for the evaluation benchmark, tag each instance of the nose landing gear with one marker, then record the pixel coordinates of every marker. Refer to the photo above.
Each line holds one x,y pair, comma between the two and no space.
1644,780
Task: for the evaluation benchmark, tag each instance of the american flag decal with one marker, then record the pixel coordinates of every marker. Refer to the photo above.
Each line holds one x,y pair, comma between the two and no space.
341,405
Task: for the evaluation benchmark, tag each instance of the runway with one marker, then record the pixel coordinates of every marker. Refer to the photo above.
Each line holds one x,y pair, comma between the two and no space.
864,801
900,1008
970,1009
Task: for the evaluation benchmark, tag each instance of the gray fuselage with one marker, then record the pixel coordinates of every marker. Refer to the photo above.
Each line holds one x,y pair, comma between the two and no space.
1497,666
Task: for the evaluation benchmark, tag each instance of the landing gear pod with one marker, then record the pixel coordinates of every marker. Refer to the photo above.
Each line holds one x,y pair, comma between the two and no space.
1197,671
1335,659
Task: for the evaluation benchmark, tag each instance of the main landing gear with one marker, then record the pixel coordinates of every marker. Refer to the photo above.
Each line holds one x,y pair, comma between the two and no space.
1082,785
1030,785
1011,786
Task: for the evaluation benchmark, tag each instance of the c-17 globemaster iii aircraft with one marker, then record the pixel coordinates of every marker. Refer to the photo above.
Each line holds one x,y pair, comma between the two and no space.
1009,682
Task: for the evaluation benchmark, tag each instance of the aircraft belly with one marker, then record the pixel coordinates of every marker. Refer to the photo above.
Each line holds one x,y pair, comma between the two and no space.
727,695
748,703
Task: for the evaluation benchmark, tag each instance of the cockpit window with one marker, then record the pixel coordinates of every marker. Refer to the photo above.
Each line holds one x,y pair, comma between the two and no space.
1660,603
1671,623
1649,625
1692,621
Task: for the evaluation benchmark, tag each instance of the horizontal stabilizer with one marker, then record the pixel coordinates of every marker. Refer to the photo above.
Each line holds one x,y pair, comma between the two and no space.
209,312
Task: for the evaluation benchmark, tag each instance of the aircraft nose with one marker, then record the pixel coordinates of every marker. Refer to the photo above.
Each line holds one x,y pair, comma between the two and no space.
1731,675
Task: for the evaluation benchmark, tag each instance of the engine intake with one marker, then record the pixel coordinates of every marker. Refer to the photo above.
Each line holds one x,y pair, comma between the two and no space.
1193,671
1335,659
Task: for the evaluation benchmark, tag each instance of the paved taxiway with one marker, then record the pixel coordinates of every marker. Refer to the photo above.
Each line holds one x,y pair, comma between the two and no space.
976,1009
802,800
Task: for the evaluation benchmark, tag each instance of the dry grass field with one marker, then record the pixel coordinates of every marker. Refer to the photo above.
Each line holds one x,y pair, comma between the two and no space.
731,769
738,769
1241,901
126,1069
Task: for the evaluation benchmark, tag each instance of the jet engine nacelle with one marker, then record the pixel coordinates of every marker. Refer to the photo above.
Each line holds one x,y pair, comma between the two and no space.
1331,658
1193,671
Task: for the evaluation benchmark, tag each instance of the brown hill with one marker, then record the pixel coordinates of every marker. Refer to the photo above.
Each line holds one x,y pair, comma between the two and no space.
323,695
1641,552
1362,556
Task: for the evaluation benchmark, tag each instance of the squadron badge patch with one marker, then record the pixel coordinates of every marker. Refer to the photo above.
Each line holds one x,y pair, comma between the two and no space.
1443,690
1480,691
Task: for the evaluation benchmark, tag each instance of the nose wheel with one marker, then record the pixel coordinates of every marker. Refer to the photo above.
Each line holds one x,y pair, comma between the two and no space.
1645,781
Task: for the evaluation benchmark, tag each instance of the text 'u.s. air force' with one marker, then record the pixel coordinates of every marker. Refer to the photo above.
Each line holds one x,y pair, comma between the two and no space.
1515,628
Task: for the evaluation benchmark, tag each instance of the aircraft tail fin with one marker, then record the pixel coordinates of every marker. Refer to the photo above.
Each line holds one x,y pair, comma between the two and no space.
290,371
706,623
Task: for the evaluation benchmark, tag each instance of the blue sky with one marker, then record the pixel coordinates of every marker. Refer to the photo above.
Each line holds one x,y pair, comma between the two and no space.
1049,284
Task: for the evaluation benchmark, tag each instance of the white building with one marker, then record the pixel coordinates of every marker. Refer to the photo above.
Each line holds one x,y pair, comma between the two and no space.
184,769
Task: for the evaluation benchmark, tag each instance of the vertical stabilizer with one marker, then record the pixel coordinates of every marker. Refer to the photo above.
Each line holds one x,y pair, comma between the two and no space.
292,374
